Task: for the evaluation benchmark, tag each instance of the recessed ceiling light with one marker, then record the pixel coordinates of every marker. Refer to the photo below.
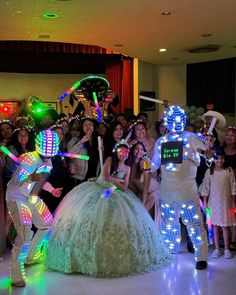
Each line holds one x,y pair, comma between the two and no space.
166,13
206,35
119,45
19,11
162,49
50,15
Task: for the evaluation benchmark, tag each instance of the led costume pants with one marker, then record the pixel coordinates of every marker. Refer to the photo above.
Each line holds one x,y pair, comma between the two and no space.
26,249
190,214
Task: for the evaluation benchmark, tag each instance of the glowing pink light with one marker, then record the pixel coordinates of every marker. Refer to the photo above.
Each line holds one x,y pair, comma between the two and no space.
9,154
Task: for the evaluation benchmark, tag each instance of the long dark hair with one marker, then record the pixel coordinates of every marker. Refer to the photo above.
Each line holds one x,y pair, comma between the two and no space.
131,159
109,140
115,160
94,134
134,128
30,146
218,152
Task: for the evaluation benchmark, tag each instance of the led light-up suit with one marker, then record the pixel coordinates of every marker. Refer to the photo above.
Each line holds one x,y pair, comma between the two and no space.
179,193
26,207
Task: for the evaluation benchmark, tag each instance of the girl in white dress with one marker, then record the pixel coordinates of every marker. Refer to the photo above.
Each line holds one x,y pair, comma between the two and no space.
219,191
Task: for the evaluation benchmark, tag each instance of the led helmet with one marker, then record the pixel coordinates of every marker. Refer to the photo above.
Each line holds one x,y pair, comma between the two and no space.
175,119
47,143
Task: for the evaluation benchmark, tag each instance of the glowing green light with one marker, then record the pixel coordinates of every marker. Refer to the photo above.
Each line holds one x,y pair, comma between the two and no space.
95,77
5,283
50,15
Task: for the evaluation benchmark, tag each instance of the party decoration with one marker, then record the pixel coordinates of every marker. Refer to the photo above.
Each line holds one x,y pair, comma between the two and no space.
193,115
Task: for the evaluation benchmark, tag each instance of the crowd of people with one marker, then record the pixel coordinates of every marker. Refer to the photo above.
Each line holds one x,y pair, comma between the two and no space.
138,195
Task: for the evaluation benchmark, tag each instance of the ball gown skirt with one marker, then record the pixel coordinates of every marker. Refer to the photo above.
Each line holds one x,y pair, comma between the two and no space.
100,237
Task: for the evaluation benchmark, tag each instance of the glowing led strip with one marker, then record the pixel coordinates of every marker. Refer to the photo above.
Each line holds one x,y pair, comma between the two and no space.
75,156
9,154
98,110
69,91
107,192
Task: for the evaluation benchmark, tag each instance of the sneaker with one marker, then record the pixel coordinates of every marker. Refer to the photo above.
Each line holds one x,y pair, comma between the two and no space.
200,265
20,284
216,253
227,254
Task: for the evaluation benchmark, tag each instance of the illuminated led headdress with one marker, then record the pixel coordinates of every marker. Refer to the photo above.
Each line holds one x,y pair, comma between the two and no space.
47,143
5,121
174,119
56,125
27,128
122,142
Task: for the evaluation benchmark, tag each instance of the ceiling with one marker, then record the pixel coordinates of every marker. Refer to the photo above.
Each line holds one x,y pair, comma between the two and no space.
136,24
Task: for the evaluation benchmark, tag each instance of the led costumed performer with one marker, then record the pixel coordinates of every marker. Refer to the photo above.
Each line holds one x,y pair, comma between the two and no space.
26,207
176,154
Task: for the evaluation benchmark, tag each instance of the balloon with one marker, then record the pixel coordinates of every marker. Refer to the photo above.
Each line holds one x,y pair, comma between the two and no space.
200,111
192,115
192,109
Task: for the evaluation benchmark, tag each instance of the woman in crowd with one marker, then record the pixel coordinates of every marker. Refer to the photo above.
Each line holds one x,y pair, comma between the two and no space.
139,133
141,182
114,135
87,144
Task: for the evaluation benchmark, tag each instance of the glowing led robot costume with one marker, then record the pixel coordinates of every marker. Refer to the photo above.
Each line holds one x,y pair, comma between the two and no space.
177,155
26,207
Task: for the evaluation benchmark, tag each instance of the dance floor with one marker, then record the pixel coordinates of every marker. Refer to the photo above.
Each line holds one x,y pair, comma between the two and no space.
180,278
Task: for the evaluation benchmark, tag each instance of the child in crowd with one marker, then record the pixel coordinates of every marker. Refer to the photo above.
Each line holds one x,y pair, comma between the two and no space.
219,190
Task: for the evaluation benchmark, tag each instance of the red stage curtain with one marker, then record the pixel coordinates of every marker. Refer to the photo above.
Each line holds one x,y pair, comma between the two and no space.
120,77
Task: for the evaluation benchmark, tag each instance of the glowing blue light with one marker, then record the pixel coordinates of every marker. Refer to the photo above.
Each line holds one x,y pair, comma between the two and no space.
175,119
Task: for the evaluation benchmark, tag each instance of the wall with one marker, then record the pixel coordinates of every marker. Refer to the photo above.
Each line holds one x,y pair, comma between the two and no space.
169,82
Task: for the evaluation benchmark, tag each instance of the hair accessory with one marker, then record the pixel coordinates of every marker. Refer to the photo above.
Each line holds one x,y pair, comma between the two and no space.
6,122
122,142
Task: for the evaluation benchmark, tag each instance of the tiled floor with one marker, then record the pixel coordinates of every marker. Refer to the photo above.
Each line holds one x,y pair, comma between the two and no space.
180,278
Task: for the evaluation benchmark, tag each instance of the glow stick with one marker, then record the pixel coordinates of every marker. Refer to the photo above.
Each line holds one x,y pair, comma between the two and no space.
100,151
213,122
207,213
151,99
9,154
209,226
74,156
64,95
107,192
99,119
